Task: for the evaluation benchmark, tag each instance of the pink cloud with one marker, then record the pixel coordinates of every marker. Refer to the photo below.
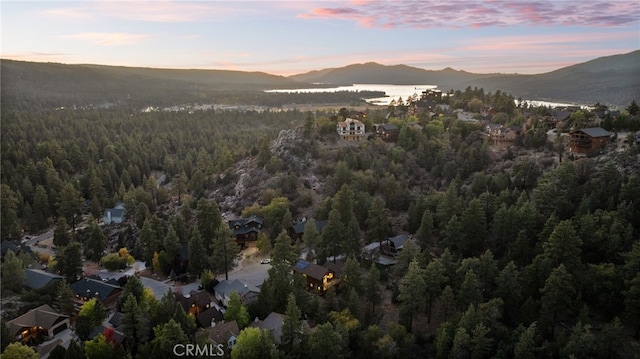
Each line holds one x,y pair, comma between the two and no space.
474,13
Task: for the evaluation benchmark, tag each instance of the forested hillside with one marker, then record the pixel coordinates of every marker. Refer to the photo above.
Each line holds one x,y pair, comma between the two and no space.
31,85
517,253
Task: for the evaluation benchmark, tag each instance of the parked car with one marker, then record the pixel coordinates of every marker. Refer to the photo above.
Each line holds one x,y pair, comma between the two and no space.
265,261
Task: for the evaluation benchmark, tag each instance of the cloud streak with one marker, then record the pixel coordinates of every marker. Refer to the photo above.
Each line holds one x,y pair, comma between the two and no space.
108,38
478,14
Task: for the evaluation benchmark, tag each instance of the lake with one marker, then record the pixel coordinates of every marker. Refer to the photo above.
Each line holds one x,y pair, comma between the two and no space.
392,92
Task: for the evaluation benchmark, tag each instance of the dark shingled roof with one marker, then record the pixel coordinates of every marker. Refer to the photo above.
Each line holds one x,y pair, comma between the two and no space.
389,126
199,298
246,225
205,317
38,278
312,270
596,132
299,227
89,287
399,240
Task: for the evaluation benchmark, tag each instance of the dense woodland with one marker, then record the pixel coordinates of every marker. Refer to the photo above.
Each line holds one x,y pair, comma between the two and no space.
521,252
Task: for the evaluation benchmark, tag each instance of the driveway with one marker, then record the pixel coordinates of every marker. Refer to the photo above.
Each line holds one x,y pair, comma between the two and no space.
249,269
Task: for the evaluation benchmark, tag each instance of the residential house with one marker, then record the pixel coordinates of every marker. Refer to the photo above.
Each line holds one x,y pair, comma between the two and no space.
6,246
115,214
247,293
37,325
88,288
273,323
499,133
246,230
297,230
38,278
588,140
209,317
393,245
388,132
224,333
358,115
194,302
415,126
372,253
351,130
112,329
318,278
114,335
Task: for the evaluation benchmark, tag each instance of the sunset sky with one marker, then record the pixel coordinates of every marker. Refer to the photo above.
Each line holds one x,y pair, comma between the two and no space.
290,37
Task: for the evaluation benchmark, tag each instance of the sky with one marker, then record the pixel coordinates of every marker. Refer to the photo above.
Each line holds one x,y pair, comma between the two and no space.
292,37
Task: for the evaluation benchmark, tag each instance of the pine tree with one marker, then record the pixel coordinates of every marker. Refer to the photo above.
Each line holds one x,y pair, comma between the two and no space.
166,337
434,278
333,235
557,296
65,298
186,322
474,228
352,276
148,241
12,272
96,243
71,262
171,244
61,234
424,233
372,288
378,221
525,347
564,247
208,220
470,292
292,329
412,286
311,237
198,259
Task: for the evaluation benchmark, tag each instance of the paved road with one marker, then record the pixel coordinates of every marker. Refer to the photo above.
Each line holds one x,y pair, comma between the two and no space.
249,270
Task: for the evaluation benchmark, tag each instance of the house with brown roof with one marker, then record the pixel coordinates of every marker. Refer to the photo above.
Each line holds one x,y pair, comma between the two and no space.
194,302
588,140
224,333
351,130
388,132
209,317
37,325
246,229
318,278
500,133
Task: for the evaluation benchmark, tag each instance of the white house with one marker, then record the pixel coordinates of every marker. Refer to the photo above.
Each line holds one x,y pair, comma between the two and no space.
114,215
351,130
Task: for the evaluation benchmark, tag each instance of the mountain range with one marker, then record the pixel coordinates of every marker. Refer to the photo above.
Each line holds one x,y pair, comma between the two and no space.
612,80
